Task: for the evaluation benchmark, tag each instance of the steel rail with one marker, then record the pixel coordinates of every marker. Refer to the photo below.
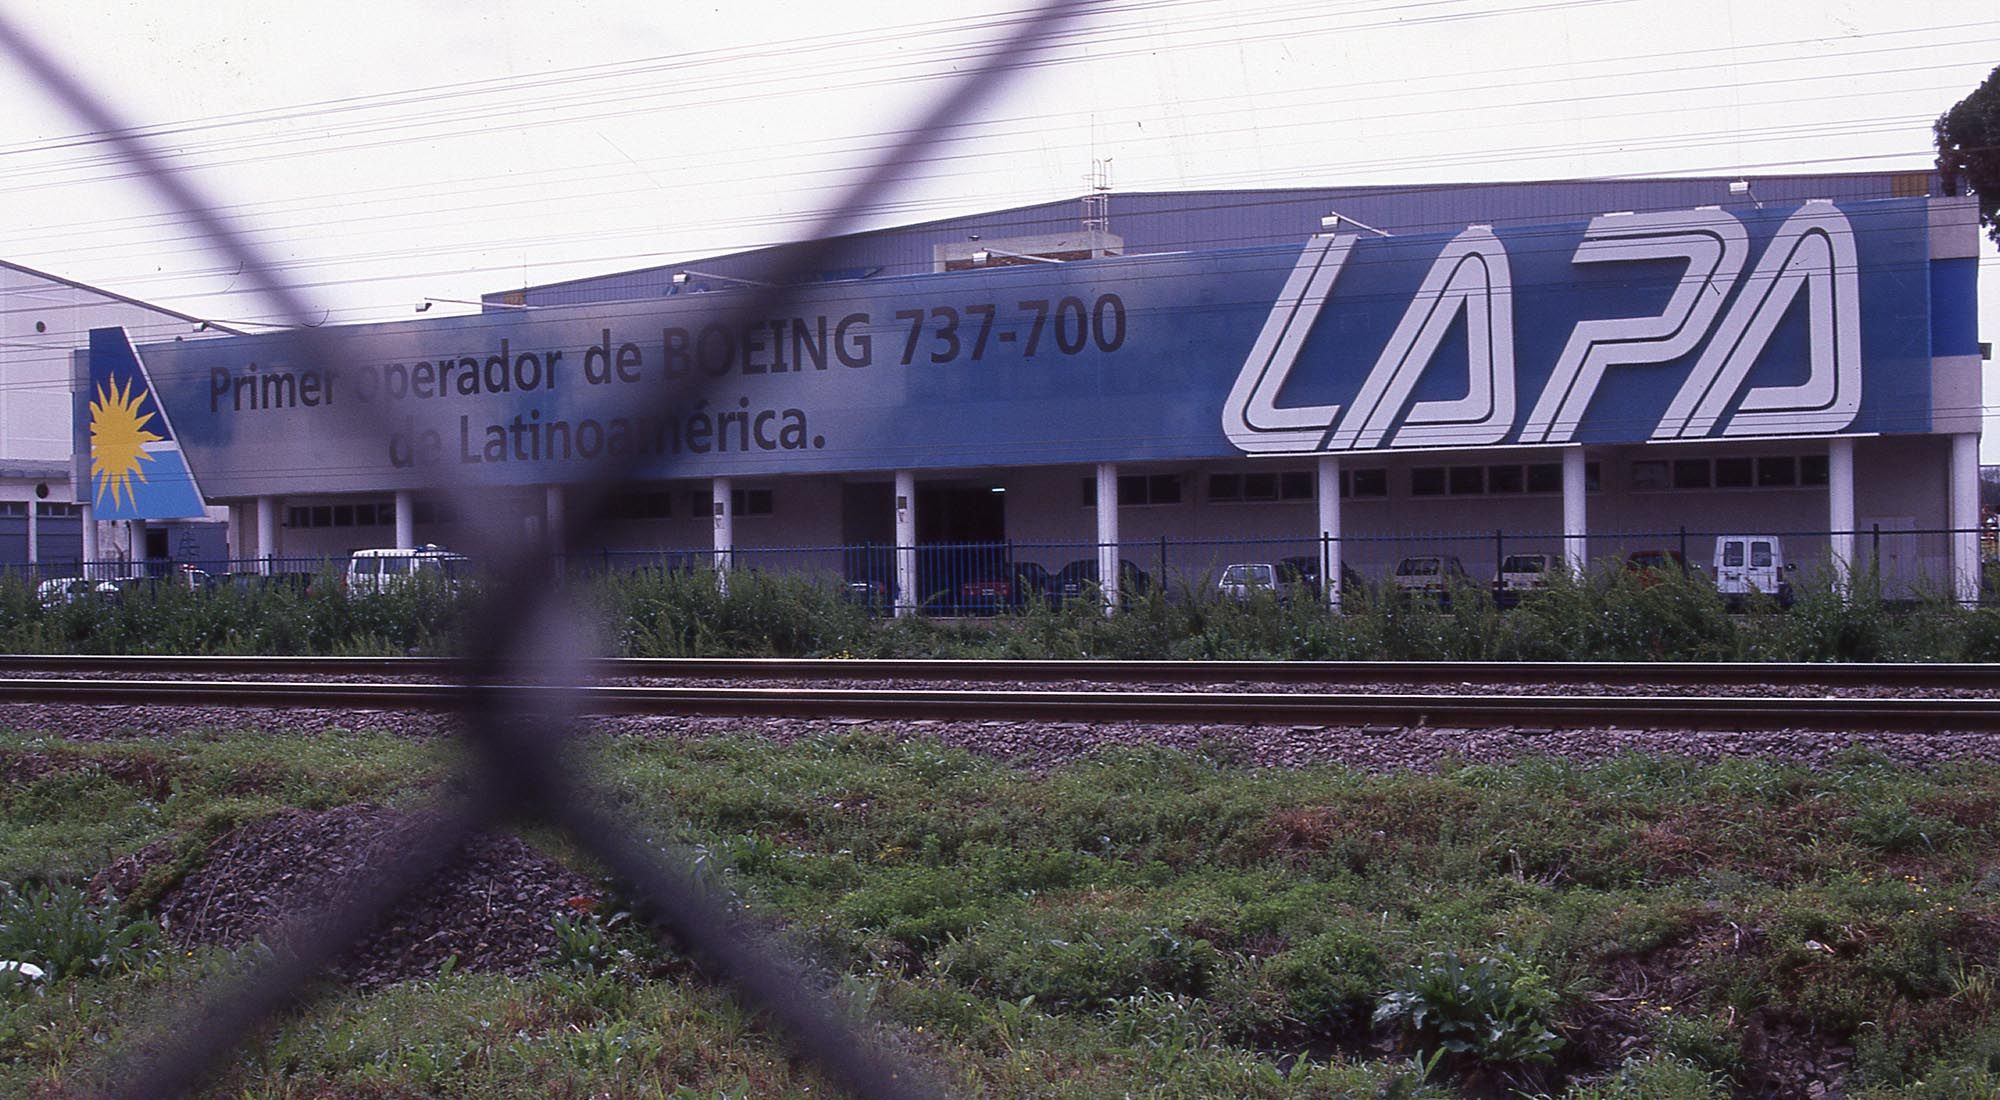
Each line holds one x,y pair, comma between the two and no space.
1163,707
1609,673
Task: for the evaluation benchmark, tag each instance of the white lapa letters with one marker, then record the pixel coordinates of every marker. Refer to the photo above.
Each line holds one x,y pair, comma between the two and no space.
1812,253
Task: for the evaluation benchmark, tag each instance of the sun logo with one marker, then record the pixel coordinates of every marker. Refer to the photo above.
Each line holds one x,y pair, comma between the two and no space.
118,439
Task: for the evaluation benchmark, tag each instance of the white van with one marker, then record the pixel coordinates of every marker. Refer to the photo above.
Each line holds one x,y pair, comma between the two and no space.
381,570
1752,563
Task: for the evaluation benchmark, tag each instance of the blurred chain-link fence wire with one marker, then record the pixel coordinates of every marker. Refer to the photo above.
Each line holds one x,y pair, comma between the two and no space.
527,627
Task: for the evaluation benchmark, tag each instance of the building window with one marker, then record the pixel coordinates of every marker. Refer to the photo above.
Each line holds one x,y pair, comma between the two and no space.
742,502
1505,479
1547,477
12,508
1777,473
1649,474
1137,490
1691,473
433,511
1283,485
1812,470
1427,481
753,502
1467,481
1734,473
367,513
1366,483
1142,489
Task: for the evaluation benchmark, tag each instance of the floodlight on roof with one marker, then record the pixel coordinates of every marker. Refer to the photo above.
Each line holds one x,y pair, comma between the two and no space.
1333,220
681,278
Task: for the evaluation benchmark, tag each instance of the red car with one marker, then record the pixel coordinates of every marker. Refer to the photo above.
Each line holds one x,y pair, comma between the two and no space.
1649,564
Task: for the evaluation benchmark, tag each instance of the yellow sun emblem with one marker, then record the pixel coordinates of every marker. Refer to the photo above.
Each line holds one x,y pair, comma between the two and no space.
118,439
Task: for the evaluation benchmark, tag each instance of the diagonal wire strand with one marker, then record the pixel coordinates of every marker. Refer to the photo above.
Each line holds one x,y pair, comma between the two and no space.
523,626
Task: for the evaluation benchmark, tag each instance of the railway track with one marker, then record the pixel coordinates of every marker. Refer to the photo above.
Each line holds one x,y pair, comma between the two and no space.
1882,677
422,684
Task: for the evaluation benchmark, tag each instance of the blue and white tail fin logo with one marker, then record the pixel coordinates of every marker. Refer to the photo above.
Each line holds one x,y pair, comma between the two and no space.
137,470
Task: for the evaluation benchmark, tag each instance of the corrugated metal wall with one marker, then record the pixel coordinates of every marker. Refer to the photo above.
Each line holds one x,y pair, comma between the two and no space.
1170,221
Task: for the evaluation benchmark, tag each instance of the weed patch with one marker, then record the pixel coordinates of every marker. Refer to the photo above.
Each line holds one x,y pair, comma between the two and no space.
1137,920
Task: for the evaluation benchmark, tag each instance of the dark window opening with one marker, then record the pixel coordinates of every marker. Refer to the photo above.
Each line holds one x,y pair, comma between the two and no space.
1733,473
1777,472
1649,474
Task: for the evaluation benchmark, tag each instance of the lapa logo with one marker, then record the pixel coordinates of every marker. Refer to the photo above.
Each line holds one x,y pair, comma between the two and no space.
137,470
1812,254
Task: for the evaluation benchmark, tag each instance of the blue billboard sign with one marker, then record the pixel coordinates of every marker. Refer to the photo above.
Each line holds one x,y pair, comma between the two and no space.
1700,324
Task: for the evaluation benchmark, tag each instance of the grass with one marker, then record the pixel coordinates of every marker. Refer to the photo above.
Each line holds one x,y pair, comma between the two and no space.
1141,922
1609,614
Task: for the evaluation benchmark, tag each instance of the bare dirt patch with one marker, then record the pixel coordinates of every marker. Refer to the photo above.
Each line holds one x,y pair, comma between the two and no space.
490,909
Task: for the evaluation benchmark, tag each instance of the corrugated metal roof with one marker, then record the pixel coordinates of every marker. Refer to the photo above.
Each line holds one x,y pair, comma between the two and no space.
1172,221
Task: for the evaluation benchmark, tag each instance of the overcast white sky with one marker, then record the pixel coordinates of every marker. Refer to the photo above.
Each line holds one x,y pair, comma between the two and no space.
387,151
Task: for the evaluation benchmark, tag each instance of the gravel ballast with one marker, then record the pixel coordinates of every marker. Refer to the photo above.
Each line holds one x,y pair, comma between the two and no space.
1045,744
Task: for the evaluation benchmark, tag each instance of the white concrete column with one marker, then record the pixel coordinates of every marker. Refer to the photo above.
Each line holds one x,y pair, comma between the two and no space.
1965,517
90,544
267,532
1329,528
406,519
1107,534
238,517
1576,516
725,529
1840,510
34,532
907,596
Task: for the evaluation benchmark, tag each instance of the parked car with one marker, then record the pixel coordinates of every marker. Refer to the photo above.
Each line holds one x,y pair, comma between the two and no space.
1747,564
1520,574
61,590
998,586
381,570
1245,579
191,577
1076,578
1651,564
1303,571
1431,575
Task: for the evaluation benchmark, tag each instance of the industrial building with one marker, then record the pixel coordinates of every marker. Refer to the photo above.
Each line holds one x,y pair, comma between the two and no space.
43,320
1180,379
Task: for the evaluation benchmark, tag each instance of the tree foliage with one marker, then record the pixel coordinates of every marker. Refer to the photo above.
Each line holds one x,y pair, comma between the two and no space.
1968,142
